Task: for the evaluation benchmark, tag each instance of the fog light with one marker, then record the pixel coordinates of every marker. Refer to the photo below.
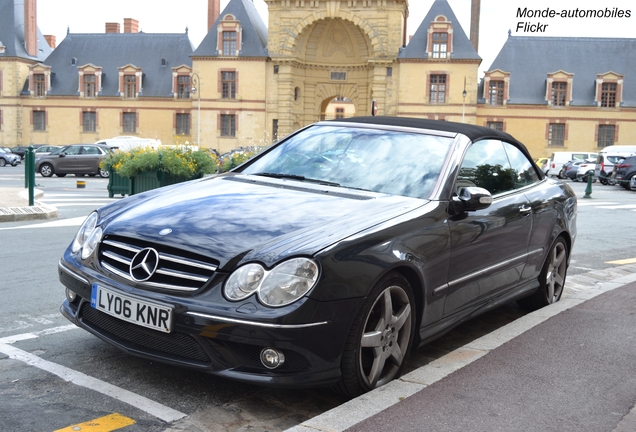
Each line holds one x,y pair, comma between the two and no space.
70,295
272,358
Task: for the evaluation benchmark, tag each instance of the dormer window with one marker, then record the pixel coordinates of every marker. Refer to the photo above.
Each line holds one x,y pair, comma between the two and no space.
130,81
559,88
496,87
229,36
90,81
609,90
40,80
440,45
440,39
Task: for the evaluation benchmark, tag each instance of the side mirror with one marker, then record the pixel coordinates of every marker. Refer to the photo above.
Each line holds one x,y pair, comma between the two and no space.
472,199
62,155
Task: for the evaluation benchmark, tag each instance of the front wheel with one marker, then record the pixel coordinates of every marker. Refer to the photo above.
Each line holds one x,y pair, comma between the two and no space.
551,279
46,170
2,162
103,173
380,338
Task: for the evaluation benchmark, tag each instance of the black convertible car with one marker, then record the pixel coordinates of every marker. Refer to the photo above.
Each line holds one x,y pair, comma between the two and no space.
328,257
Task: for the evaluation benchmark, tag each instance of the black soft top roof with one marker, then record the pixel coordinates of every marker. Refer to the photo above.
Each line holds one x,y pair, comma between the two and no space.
475,133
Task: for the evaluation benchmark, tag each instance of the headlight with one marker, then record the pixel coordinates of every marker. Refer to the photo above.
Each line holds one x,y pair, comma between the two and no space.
284,284
91,243
244,281
84,232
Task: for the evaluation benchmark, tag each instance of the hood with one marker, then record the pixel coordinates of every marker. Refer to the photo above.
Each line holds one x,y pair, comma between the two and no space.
251,218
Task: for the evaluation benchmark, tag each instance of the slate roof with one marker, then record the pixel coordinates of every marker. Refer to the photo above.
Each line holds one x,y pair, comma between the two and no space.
254,31
529,60
110,51
462,48
12,32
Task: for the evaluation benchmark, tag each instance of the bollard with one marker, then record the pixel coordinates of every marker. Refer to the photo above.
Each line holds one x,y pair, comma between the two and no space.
81,184
29,173
588,189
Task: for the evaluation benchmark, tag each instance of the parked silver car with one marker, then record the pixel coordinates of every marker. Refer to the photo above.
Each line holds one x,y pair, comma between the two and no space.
8,158
78,159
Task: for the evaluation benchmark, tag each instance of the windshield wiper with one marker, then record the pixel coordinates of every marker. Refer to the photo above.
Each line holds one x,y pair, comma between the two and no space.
297,177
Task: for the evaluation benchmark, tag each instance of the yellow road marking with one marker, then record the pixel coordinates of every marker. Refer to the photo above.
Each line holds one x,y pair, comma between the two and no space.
103,424
623,262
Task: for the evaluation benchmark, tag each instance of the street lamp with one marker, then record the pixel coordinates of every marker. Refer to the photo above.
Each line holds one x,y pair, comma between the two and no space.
464,102
196,81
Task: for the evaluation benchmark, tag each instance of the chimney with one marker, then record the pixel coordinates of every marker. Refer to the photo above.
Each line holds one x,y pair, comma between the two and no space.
30,27
131,25
112,28
50,39
214,10
474,23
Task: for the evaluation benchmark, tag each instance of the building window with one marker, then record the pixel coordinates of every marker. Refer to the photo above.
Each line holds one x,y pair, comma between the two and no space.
275,69
39,121
495,125
606,135
228,125
440,45
340,113
495,92
389,71
438,89
0,120
558,93
130,86
339,76
183,124
296,94
89,121
608,95
556,135
275,130
228,83
183,87
90,83
130,122
39,85
229,43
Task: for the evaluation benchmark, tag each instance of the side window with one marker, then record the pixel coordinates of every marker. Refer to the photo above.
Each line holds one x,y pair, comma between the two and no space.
90,150
522,169
73,150
486,165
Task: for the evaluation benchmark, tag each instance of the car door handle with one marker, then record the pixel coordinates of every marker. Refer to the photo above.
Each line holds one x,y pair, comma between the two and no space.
525,211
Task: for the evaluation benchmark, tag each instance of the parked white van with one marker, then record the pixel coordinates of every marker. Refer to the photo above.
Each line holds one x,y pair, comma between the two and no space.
559,158
608,157
125,143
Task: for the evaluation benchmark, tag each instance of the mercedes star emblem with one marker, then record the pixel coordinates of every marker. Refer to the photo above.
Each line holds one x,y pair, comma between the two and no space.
144,264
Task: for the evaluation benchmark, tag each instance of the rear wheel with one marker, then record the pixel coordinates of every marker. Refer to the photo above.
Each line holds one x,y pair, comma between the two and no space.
46,170
2,162
103,173
551,279
380,338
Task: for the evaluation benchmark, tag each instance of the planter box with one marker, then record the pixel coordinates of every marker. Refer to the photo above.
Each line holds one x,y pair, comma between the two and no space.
141,182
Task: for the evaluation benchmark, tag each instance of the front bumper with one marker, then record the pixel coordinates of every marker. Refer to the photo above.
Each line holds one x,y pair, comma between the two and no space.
224,344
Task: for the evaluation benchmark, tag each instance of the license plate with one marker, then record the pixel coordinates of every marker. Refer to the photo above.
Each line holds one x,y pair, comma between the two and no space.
143,313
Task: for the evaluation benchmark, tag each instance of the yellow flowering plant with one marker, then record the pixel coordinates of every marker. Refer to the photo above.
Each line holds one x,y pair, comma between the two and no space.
178,162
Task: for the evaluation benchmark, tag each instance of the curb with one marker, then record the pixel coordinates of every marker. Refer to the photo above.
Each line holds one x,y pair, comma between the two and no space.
580,288
22,213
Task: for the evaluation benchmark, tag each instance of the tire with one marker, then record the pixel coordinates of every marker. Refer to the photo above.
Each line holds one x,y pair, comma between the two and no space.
2,162
103,173
551,279
380,338
46,170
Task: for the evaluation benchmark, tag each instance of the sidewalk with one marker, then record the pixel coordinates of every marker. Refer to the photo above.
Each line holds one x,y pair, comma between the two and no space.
566,367
14,205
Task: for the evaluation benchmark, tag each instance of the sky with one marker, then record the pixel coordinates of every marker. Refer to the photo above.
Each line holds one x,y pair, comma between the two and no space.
498,17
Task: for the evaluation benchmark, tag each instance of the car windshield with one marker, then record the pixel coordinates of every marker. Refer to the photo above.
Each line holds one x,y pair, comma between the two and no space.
392,162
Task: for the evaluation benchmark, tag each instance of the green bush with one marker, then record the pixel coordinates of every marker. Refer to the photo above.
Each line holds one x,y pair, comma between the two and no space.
177,161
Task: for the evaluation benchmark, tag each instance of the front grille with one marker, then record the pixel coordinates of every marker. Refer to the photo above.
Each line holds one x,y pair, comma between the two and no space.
177,270
177,345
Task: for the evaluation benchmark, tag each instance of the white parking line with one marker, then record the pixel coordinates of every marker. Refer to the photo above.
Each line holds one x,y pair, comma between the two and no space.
57,223
151,407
